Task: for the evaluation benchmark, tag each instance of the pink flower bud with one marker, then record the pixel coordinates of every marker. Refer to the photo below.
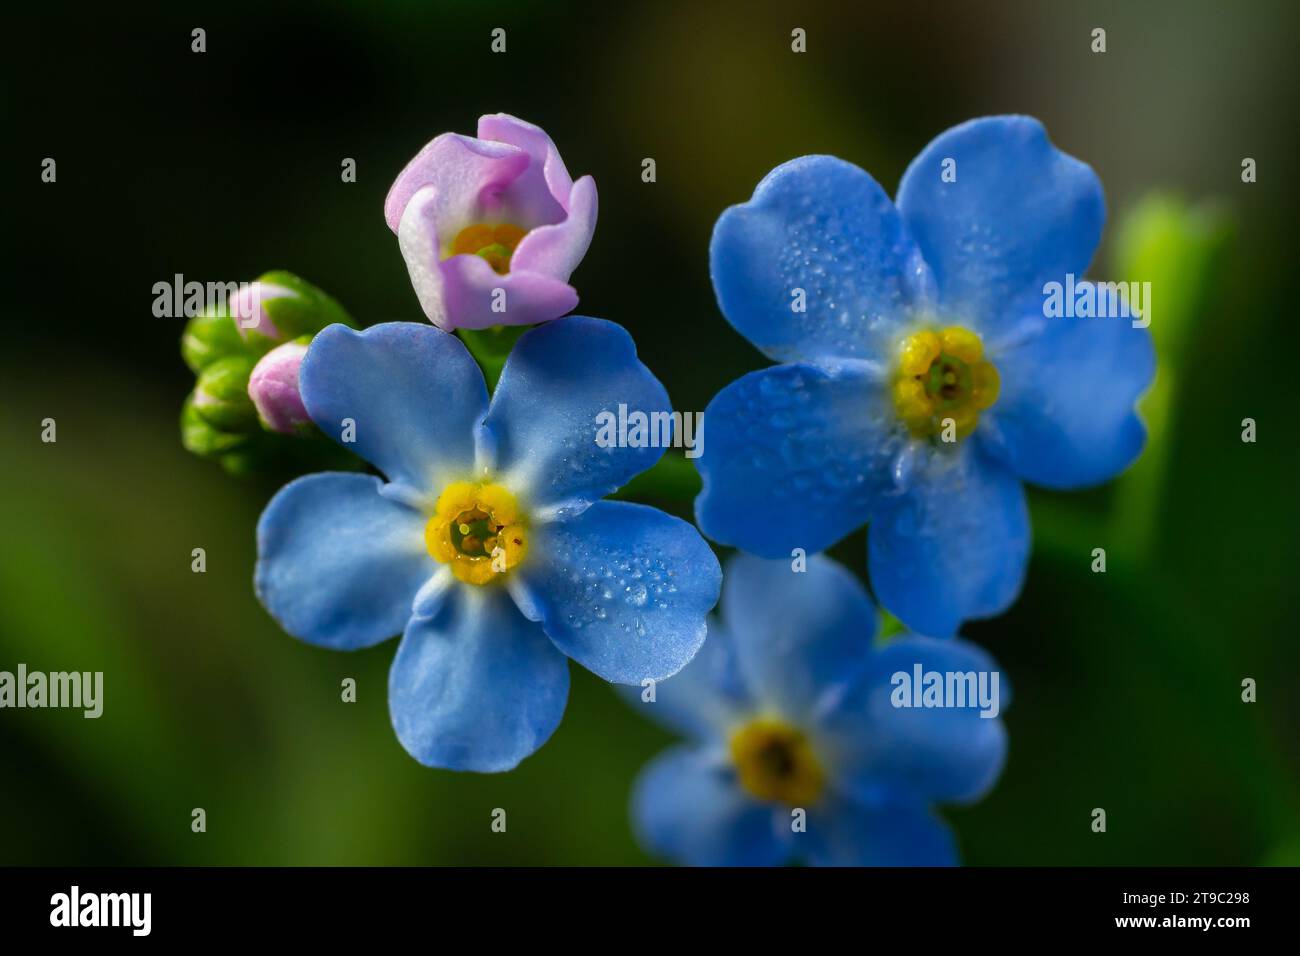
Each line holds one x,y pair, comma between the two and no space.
249,312
273,387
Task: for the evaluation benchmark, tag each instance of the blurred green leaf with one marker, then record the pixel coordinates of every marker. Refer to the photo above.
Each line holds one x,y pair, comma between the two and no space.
1180,249
672,481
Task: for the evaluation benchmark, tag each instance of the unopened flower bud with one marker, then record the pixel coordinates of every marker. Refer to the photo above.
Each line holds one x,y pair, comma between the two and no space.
273,387
221,394
249,309
279,306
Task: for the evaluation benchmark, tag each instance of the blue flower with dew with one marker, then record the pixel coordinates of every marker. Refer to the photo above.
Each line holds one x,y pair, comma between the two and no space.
926,377
485,544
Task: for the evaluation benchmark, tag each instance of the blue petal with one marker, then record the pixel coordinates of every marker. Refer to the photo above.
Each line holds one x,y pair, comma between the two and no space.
938,754
1019,214
898,834
413,392
1065,418
339,564
824,226
623,589
543,421
955,546
797,634
688,807
795,457
477,686
703,700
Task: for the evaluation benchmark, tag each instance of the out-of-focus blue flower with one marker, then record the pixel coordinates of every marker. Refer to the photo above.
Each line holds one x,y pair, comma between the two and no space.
926,380
487,546
791,707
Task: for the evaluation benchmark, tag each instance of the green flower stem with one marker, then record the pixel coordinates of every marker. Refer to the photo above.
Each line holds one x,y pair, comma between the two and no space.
490,348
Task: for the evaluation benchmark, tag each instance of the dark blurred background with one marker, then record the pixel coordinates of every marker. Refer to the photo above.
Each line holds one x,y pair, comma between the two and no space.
225,164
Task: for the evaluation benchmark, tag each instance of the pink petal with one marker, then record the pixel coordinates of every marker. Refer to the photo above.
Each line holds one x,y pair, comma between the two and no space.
556,250
470,289
247,310
417,237
504,128
469,174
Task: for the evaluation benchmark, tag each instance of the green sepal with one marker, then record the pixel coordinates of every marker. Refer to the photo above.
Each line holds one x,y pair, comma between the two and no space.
202,437
208,338
306,312
888,627
221,394
256,451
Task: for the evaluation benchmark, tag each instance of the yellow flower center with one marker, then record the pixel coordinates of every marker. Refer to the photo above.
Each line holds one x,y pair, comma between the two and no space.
943,382
478,530
496,243
776,762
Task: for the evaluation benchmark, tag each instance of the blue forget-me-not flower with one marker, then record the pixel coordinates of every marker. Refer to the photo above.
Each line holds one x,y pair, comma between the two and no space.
803,745
485,544
926,379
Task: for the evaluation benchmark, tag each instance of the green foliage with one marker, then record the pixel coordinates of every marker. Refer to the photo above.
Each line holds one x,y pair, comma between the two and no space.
1180,249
